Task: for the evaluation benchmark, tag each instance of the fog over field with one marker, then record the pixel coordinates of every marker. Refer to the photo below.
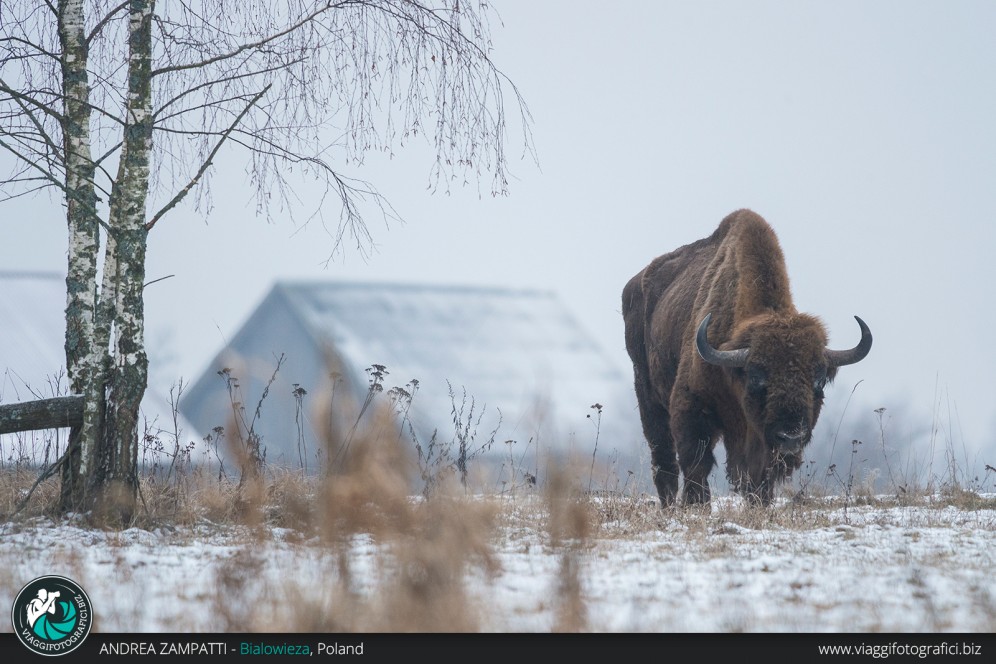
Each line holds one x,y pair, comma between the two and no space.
861,131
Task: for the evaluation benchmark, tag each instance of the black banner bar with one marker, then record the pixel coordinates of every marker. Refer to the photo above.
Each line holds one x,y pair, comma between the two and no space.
516,648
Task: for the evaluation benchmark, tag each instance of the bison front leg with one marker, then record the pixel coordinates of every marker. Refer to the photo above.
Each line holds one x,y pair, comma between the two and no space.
762,491
751,475
693,431
759,494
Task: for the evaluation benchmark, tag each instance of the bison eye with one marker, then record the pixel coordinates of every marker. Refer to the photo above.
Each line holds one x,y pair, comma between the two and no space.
757,379
818,386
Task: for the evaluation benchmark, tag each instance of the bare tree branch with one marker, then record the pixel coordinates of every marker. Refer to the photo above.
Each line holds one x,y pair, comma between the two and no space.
26,192
45,174
180,195
211,83
53,149
107,18
32,45
21,97
52,179
259,43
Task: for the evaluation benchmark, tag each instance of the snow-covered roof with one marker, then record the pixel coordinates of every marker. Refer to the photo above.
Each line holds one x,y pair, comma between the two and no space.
33,356
508,348
32,335
520,352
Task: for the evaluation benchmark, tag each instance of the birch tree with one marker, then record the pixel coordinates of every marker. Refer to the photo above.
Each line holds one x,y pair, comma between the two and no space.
121,109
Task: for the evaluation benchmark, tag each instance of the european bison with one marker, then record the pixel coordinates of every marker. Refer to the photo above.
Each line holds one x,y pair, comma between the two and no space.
719,351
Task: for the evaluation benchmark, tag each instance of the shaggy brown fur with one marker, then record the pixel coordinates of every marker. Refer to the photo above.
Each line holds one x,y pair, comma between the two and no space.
765,406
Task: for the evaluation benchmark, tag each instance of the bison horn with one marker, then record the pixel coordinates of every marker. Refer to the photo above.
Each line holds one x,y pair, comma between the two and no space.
838,358
722,358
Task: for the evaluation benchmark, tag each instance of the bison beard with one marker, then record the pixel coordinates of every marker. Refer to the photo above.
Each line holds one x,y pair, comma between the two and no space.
720,352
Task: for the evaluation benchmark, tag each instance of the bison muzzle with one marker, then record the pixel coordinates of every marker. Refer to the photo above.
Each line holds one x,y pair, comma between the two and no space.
719,351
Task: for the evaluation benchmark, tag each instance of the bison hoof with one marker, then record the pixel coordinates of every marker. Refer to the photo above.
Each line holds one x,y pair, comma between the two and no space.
696,493
667,488
667,498
760,498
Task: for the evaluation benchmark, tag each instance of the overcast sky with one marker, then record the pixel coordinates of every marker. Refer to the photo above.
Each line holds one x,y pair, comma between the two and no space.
862,131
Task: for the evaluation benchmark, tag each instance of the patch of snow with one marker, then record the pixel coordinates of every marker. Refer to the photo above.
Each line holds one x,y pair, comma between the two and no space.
899,569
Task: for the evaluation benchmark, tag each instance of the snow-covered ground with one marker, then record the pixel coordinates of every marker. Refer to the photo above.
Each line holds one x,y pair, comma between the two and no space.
923,568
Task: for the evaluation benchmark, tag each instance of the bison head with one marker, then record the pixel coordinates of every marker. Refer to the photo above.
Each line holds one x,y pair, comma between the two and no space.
779,367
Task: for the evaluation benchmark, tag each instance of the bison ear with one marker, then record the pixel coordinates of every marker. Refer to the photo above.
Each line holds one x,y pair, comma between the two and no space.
721,358
839,358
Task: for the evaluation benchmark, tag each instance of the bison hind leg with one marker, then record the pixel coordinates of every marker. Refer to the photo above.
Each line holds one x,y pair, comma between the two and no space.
695,434
666,481
663,460
664,467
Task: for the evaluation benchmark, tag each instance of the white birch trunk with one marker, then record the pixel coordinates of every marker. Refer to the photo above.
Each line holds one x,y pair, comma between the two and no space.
84,358
117,478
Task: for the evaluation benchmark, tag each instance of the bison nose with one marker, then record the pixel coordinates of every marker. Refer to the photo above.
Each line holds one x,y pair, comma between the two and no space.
791,439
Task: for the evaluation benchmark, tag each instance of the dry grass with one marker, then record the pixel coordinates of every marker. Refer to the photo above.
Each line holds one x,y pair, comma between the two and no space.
390,561
427,544
371,492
